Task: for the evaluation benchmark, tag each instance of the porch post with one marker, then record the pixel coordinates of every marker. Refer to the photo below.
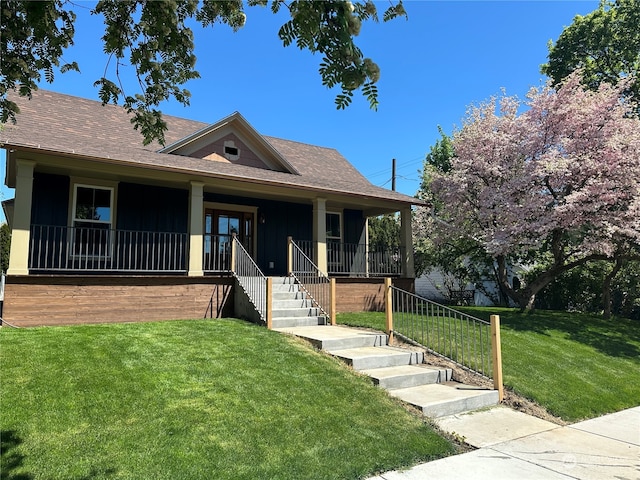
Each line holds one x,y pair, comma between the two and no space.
365,234
320,233
196,219
406,239
21,228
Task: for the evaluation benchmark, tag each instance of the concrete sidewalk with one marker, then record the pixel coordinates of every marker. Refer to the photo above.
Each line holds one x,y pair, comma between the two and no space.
513,445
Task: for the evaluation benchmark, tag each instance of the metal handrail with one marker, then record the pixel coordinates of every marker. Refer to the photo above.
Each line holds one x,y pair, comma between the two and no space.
358,259
250,278
443,331
63,248
311,279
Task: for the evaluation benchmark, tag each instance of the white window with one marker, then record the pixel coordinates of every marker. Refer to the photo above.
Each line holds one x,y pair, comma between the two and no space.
92,218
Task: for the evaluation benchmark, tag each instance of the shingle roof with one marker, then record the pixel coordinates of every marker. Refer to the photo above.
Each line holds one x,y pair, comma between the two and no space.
70,125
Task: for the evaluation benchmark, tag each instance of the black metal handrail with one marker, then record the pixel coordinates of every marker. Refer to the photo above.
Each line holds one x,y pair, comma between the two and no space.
98,249
461,338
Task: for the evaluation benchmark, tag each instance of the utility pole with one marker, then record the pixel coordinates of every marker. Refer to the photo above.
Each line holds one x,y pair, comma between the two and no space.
393,174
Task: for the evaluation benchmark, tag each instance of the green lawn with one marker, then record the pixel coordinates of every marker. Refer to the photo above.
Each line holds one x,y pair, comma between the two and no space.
576,365
216,399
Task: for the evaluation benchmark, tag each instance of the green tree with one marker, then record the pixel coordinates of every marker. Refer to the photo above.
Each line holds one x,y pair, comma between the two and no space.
384,233
604,45
154,38
5,245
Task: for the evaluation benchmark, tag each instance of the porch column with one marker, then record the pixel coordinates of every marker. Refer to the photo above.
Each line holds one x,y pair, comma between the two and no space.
364,239
320,233
406,240
196,219
21,228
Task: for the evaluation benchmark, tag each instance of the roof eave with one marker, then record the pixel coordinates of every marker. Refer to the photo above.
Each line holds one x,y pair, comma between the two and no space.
198,173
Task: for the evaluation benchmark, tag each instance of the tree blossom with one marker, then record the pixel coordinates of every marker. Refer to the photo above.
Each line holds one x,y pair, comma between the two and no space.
556,175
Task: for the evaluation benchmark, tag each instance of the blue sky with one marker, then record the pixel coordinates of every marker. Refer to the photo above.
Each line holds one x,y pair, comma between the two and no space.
446,56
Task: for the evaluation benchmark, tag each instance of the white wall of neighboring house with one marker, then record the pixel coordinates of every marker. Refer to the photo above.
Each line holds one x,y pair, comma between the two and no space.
432,287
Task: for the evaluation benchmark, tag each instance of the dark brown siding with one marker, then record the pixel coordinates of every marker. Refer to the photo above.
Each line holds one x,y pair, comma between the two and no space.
358,294
34,301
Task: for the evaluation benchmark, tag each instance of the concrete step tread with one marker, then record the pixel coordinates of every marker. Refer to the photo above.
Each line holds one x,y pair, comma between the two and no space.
366,358
387,372
441,399
381,351
405,376
328,332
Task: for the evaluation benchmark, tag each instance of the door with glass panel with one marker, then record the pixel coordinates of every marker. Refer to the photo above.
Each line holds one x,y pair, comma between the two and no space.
219,228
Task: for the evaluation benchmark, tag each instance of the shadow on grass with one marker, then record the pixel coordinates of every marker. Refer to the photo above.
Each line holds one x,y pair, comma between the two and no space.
10,458
614,337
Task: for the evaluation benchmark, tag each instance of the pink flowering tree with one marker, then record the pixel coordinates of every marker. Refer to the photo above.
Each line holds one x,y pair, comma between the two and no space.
553,181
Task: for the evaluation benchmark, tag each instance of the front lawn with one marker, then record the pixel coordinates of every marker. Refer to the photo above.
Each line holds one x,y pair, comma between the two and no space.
576,365
216,399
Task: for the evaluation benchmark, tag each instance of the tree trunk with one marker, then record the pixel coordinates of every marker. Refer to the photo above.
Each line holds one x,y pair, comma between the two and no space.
606,288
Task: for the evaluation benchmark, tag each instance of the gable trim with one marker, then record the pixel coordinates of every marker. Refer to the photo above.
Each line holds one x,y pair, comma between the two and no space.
236,123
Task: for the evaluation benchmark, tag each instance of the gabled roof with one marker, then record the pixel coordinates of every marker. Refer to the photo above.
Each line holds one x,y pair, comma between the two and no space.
236,123
75,127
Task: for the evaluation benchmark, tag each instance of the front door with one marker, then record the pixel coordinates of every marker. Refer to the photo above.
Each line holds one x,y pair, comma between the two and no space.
219,228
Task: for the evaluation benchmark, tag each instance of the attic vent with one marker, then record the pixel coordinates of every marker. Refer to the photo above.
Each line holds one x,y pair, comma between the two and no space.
231,152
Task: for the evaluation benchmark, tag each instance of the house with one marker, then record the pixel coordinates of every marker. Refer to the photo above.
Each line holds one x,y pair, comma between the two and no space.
106,229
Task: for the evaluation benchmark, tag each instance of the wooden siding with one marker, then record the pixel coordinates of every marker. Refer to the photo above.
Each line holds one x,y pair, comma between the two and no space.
35,301
365,295
151,208
50,203
245,155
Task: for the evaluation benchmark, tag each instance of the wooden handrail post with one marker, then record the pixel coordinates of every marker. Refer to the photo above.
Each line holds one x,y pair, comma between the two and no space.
233,252
269,303
496,352
388,302
332,300
289,256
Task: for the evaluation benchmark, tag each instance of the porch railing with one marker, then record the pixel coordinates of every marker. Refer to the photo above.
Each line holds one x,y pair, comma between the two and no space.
216,253
61,248
250,278
358,259
459,337
317,285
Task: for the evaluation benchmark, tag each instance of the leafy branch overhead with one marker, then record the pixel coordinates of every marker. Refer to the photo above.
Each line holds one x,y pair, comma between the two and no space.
153,38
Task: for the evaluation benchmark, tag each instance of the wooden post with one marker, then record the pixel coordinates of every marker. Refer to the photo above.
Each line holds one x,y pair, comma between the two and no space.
388,301
269,303
233,253
332,300
289,256
496,356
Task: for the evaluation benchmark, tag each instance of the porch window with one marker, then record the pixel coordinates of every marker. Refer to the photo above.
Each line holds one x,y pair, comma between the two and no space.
92,218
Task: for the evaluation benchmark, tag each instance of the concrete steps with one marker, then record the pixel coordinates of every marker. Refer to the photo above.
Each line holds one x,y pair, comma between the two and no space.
398,370
406,376
291,307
